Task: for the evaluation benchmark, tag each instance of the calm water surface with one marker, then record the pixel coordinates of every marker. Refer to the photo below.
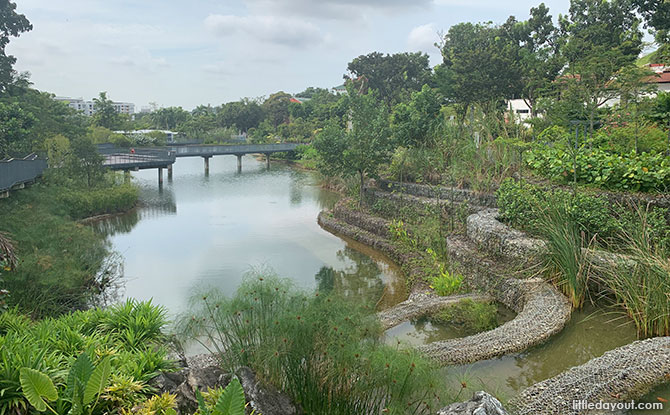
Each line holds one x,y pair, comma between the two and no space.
208,231
199,231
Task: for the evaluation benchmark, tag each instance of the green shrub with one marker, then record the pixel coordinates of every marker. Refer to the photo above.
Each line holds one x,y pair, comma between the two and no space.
223,401
442,280
326,353
522,204
50,346
469,317
85,203
645,172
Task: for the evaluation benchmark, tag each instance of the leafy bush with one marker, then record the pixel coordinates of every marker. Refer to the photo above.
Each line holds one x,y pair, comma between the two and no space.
442,281
469,317
223,401
325,352
644,172
51,346
522,204
84,203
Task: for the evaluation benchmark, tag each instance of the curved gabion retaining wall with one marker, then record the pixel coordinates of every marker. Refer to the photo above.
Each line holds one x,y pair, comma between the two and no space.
488,233
542,311
421,304
625,373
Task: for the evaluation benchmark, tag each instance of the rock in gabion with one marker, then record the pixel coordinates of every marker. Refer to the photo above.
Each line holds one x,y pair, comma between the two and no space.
481,404
625,373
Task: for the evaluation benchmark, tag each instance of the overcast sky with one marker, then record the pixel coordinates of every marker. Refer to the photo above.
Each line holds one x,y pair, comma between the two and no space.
186,53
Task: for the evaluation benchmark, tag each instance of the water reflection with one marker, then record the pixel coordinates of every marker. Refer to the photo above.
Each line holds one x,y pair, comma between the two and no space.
591,332
209,231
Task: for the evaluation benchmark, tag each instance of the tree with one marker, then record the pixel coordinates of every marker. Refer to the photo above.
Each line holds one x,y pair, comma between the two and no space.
394,77
413,123
12,24
360,147
105,114
86,161
243,114
540,60
15,125
480,66
169,118
602,36
276,108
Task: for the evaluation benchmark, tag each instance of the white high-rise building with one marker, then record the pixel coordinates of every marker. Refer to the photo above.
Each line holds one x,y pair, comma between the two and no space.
88,107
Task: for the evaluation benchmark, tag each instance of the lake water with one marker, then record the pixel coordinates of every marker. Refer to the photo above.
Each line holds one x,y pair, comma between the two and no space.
209,230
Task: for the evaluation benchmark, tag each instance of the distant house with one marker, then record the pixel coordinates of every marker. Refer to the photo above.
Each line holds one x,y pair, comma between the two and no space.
661,79
340,89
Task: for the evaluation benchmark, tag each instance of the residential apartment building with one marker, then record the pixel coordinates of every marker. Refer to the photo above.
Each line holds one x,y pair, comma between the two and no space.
88,107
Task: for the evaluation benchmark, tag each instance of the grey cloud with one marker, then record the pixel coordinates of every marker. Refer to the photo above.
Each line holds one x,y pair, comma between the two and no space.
266,29
338,9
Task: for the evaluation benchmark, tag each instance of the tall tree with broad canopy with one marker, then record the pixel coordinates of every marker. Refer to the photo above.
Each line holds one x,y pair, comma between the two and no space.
276,108
394,77
105,114
480,66
540,60
359,147
414,123
12,24
602,36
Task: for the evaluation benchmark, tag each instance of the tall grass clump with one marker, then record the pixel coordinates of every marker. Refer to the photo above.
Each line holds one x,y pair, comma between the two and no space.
325,352
565,259
641,283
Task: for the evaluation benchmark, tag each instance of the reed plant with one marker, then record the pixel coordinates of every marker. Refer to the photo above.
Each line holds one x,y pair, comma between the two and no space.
641,282
325,352
565,257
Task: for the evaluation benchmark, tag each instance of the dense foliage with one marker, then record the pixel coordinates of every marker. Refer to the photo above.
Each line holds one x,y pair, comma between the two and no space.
325,352
128,337
62,265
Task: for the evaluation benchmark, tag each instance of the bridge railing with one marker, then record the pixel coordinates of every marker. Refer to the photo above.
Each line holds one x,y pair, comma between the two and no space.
18,171
136,156
233,149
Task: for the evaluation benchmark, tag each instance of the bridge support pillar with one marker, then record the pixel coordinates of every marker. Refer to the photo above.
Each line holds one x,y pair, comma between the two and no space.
267,161
239,163
160,176
4,195
169,169
206,165
126,176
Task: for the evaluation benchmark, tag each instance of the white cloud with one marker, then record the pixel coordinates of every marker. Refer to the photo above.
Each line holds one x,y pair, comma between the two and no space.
266,29
423,38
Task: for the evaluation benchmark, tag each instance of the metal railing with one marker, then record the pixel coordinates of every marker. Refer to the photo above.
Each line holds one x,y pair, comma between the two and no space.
232,149
140,158
15,172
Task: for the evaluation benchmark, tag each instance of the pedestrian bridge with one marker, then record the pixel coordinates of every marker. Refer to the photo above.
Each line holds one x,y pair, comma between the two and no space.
127,159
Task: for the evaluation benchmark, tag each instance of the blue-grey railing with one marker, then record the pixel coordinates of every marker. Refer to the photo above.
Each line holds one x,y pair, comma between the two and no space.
137,158
15,172
209,150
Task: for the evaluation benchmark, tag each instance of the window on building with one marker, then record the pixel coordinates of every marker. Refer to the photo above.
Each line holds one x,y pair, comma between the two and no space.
523,111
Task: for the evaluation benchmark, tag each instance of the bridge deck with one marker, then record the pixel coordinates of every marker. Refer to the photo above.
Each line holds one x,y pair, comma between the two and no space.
236,150
162,157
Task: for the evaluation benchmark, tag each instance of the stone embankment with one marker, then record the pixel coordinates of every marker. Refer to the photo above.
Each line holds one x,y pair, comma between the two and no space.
621,374
542,311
